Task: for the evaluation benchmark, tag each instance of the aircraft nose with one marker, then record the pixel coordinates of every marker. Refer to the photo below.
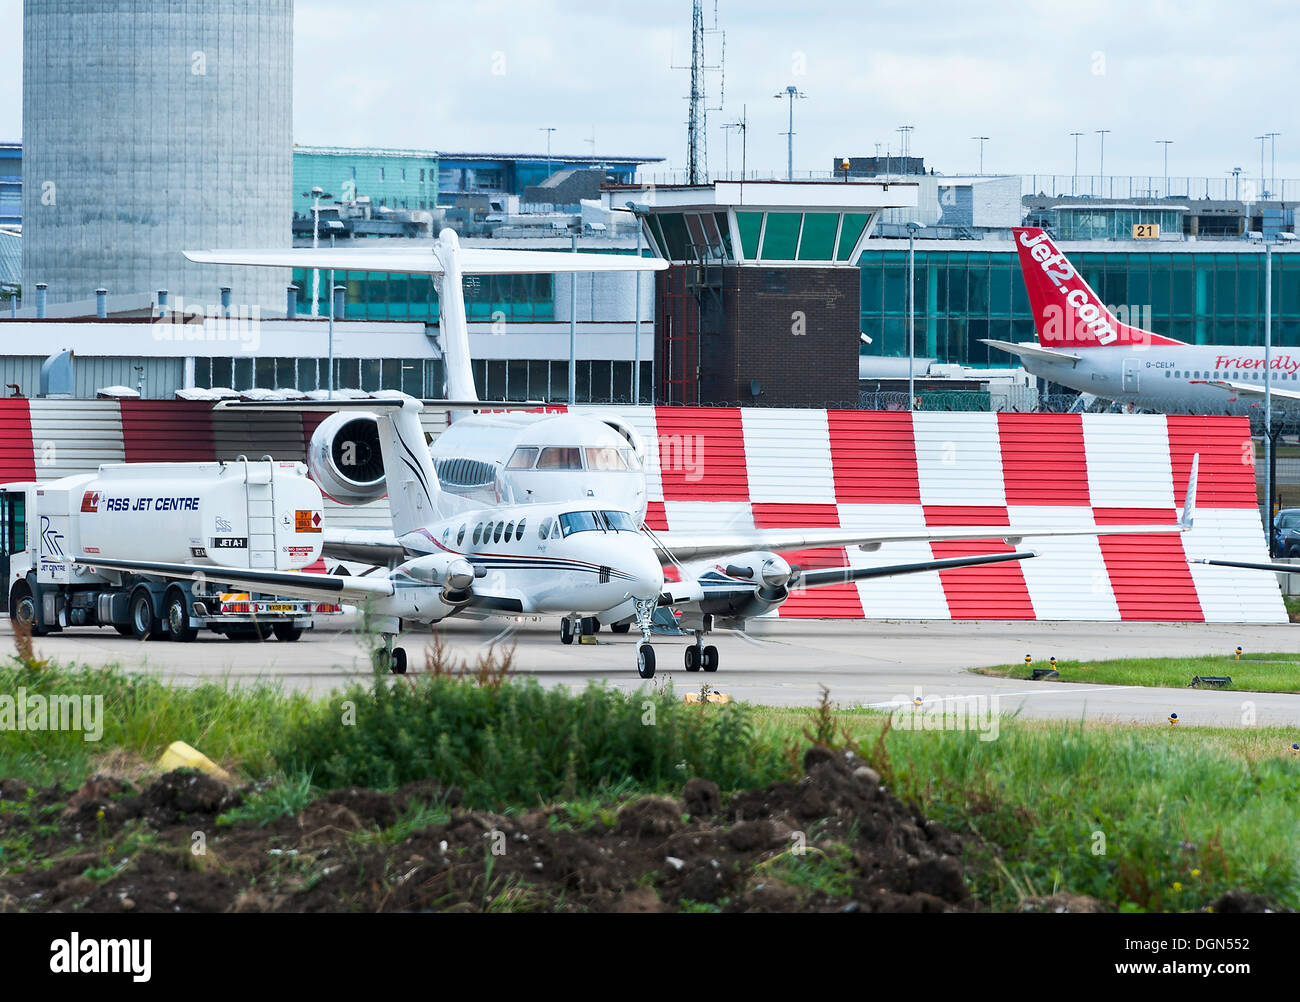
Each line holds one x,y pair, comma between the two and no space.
647,574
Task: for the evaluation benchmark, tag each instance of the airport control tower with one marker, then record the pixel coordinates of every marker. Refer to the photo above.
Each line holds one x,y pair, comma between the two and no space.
760,304
152,127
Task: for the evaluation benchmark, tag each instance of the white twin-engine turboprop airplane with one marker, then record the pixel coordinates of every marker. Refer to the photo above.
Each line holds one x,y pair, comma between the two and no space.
526,513
1083,345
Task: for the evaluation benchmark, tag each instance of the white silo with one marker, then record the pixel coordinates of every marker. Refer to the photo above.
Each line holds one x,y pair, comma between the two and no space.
152,127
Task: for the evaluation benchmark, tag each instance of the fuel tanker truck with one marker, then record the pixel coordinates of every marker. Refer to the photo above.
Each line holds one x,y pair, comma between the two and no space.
243,514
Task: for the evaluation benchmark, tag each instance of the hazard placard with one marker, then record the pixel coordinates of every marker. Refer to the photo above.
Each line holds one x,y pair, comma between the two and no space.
307,521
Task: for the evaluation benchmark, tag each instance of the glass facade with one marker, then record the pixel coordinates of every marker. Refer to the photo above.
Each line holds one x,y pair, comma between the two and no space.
1111,222
597,381
963,296
394,179
373,295
764,236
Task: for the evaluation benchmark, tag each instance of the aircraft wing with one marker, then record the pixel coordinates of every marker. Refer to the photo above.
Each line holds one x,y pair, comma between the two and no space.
822,577
422,260
1249,389
677,546
1248,565
1028,350
294,584
363,546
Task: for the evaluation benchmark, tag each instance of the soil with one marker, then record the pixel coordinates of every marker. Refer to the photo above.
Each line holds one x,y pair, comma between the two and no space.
836,840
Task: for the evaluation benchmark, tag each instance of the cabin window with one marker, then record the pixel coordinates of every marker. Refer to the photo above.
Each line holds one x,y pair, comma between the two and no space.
1167,373
519,529
496,533
460,536
478,533
446,534
544,529
557,458
510,530
605,460
522,459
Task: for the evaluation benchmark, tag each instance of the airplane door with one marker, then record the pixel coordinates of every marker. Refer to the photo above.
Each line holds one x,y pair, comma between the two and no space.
1130,378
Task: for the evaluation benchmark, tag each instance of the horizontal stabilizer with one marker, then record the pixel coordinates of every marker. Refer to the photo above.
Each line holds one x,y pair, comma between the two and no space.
423,261
1027,350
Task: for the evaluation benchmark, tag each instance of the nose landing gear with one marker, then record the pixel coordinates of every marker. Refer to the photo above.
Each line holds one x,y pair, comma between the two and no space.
390,658
645,654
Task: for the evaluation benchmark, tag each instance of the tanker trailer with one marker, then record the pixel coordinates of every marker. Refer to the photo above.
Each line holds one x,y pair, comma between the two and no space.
242,514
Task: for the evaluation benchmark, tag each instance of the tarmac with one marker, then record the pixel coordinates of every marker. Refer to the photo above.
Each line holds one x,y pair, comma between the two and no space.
782,662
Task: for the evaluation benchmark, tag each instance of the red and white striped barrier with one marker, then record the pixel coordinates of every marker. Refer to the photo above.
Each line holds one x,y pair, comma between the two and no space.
720,467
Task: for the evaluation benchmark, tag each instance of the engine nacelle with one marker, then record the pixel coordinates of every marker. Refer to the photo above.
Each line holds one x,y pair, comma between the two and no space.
345,459
453,573
769,573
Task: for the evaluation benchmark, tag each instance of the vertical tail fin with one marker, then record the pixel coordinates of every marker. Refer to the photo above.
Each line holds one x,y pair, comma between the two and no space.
451,319
415,497
1189,499
1067,313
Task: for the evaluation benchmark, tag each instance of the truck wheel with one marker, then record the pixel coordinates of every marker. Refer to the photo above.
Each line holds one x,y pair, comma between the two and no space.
287,632
178,618
144,624
22,609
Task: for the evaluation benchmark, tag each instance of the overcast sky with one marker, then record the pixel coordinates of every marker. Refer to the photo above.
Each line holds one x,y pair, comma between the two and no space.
486,75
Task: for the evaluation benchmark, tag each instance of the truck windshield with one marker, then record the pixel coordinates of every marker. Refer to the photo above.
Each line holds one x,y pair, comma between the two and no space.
579,521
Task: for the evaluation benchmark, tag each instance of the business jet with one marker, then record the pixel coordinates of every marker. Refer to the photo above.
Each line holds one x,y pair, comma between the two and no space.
1083,345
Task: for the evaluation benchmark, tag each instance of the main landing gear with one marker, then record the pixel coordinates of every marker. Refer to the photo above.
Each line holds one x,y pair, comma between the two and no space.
390,658
698,656
572,627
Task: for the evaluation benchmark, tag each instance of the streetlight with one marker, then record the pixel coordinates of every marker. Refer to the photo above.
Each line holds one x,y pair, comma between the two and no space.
548,129
1268,394
638,211
316,194
912,227
982,141
1263,187
1236,183
1074,180
790,92
1101,161
1272,154
1165,143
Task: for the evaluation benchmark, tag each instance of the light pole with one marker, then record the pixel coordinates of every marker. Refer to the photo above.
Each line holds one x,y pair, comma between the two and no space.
1101,157
573,326
791,92
1263,187
912,227
1074,179
637,211
982,141
548,129
1268,393
1272,166
316,194
1236,183
1165,143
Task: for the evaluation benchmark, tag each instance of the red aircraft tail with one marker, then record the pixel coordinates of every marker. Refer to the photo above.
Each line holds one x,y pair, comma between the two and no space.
1067,313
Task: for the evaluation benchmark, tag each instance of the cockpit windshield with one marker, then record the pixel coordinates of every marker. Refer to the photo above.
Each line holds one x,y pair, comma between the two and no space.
619,521
605,459
587,521
579,521
556,458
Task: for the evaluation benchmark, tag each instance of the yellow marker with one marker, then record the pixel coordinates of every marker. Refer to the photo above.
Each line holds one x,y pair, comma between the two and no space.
179,755
1238,657
1295,748
716,698
1029,659
1173,719
1052,662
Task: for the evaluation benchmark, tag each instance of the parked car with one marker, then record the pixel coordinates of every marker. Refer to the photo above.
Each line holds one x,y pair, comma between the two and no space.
1286,533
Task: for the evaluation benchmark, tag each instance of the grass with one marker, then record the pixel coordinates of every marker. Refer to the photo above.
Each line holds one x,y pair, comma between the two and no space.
1141,817
1253,673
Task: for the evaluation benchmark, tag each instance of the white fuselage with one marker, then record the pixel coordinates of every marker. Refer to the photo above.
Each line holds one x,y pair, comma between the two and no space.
1171,377
559,559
